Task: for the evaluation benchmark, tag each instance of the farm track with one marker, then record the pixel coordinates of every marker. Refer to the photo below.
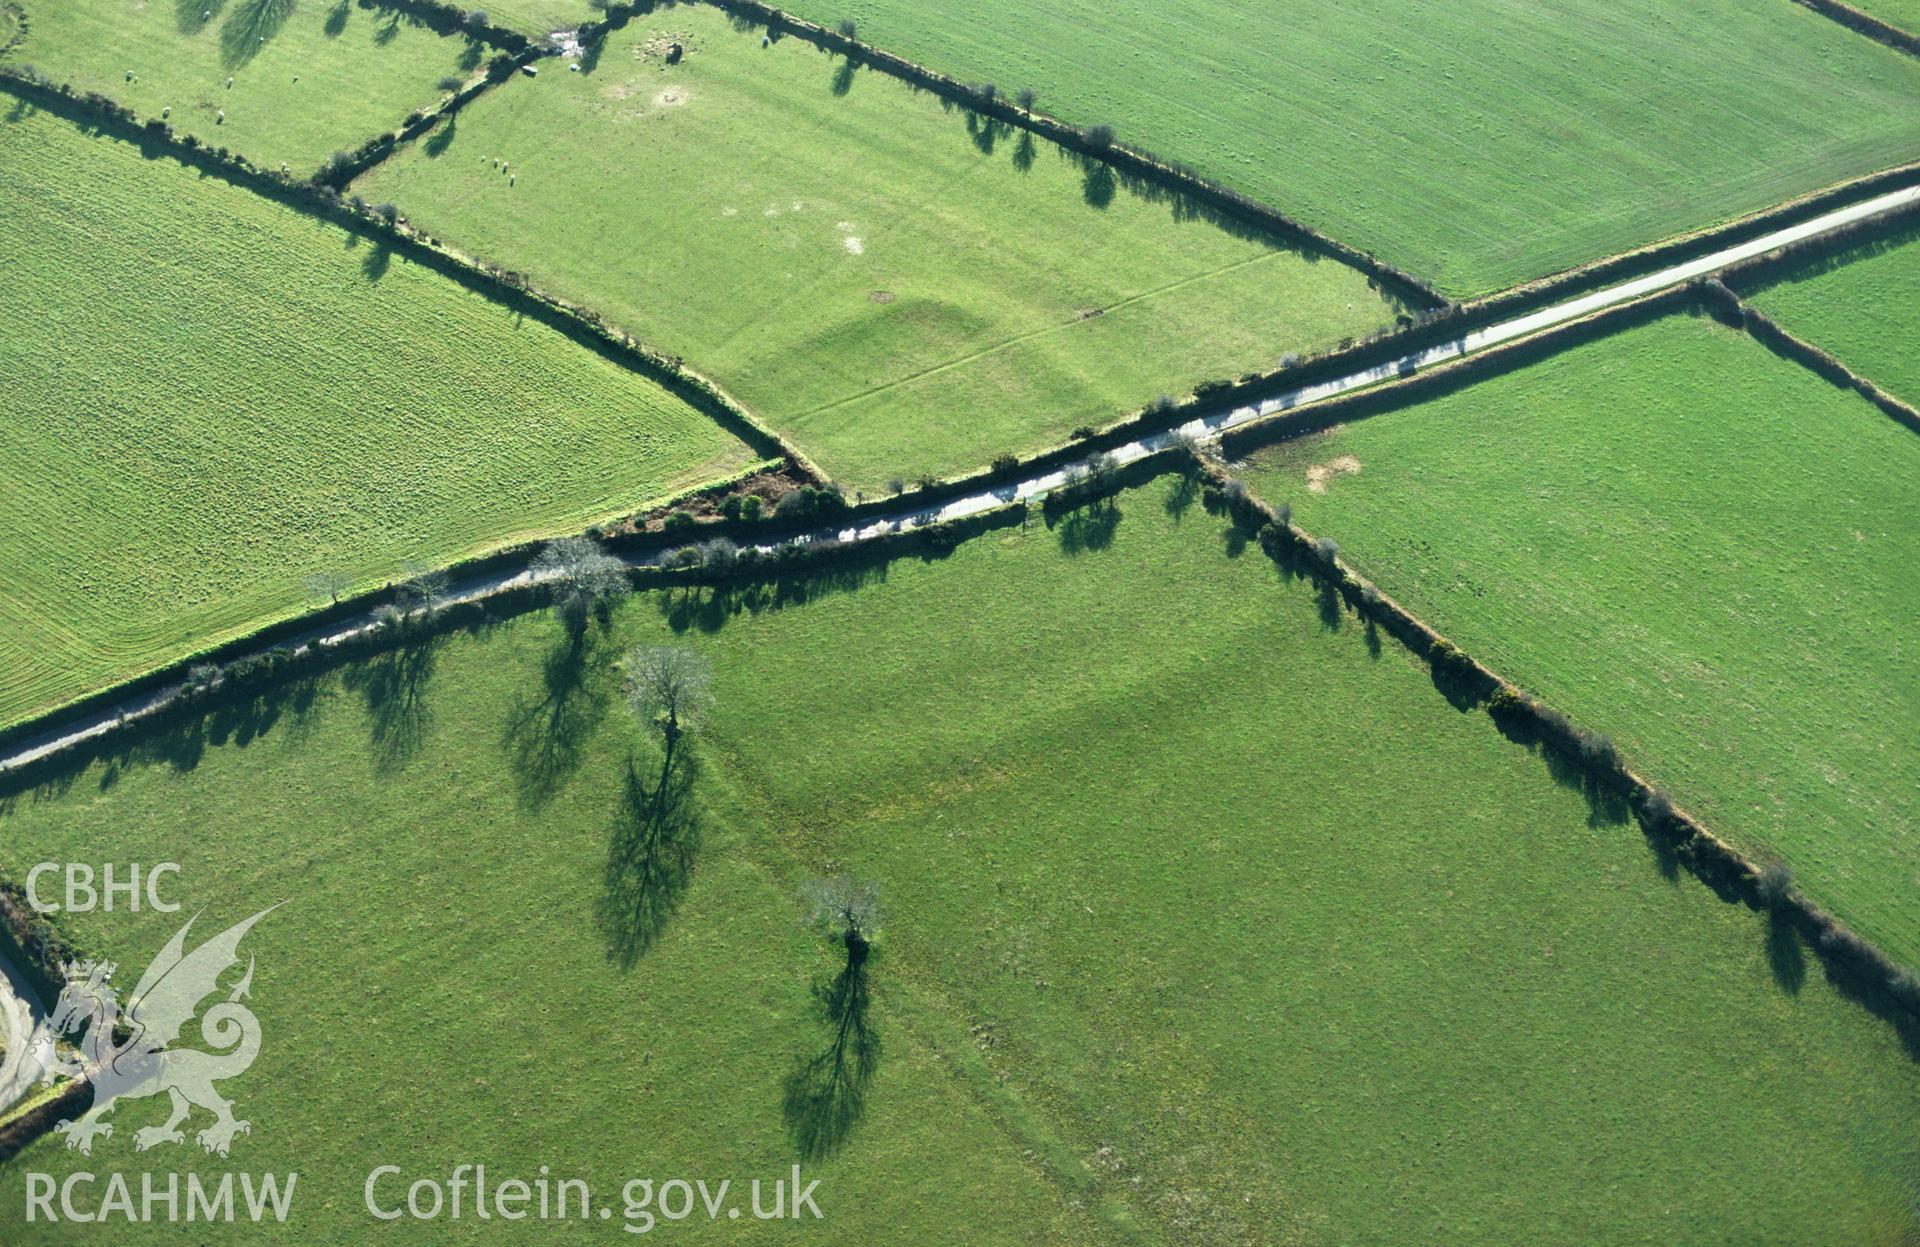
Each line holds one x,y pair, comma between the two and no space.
907,516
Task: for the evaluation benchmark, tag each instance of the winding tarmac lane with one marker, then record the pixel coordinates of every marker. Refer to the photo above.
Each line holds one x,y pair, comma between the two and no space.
98,722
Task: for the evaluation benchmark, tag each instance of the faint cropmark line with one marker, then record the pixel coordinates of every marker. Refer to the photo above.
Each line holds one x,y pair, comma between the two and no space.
144,1063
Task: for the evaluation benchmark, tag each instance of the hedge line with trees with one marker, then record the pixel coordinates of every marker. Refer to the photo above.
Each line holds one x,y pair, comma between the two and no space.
1854,965
1866,24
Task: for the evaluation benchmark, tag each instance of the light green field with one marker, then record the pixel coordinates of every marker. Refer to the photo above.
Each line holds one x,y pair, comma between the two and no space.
309,77
1477,143
898,289
1692,545
543,17
1207,924
208,398
1863,307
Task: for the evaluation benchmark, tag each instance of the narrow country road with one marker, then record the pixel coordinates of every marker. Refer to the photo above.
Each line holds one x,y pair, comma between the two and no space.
1205,427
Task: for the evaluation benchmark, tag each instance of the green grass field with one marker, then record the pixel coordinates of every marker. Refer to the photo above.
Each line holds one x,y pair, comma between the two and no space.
1208,922
308,78
543,17
1863,306
1902,13
1477,143
208,398
899,289
1690,544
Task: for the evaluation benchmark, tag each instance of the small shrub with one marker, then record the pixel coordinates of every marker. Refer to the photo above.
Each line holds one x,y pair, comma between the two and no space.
1449,659
847,29
386,212
1004,464
1326,549
750,508
1284,512
1163,405
679,522
730,507
1098,138
925,483
1507,704
1657,809
452,82
1774,885
1083,432
685,556
1371,597
1597,751
1026,98
719,555
477,19
896,486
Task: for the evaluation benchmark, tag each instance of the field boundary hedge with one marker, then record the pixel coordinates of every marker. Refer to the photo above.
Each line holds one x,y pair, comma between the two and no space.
447,20
37,1121
1093,142
1731,309
1867,24
1453,375
510,289
1625,266
1854,965
254,669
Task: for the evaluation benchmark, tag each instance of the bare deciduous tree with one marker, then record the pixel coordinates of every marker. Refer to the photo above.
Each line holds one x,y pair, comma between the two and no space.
329,584
584,576
424,590
669,686
848,909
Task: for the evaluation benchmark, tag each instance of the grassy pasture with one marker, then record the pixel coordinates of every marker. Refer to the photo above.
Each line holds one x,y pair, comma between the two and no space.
542,17
308,78
1690,544
1209,922
1902,13
1863,307
208,398
1477,143
900,288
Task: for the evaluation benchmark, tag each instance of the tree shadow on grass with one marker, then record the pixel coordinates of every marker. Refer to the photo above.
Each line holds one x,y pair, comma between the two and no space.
545,734
711,607
378,261
248,28
393,685
1089,527
442,137
1784,955
190,17
1024,151
1183,490
650,856
336,24
470,56
1098,184
826,1093
844,74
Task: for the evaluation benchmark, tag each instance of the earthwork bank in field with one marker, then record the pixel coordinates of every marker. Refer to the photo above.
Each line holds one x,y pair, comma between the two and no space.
900,287
1208,921
1477,143
1690,544
208,397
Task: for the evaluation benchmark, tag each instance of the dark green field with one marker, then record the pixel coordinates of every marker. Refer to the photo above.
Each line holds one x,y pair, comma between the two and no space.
1689,544
1207,923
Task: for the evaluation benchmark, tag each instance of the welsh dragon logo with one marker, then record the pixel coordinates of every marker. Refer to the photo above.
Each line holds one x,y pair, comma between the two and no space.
144,1063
